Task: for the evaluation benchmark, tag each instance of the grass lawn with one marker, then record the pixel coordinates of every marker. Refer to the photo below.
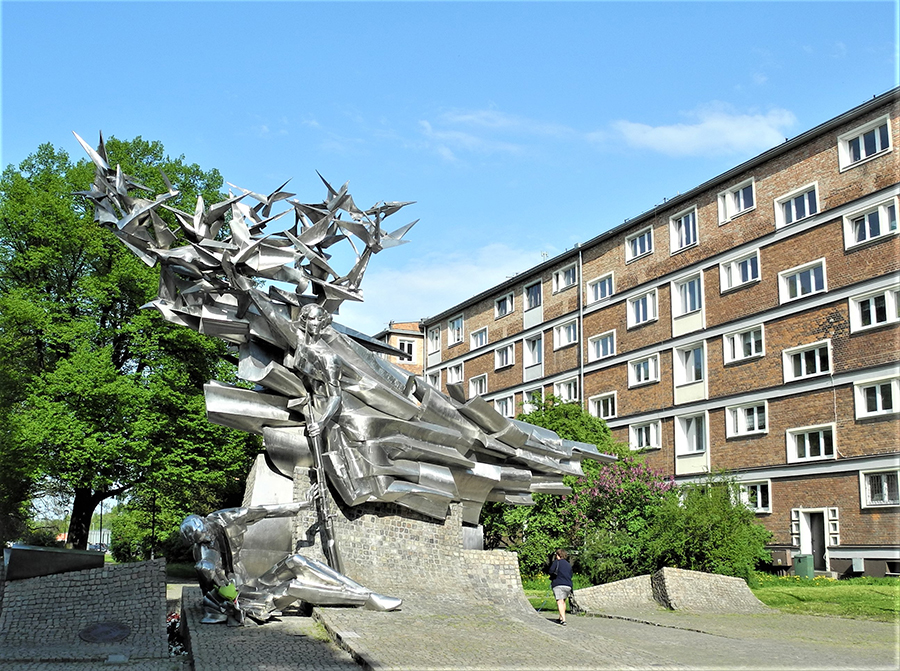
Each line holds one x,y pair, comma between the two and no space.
858,598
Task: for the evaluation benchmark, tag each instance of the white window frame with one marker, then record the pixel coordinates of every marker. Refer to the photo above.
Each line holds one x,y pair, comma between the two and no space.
729,342
528,396
525,302
682,445
652,369
676,244
784,281
568,383
729,207
411,356
861,401
845,158
455,334
652,429
677,308
509,402
730,272
652,309
563,336
791,442
504,306
594,405
891,297
735,420
595,340
560,281
865,500
434,379
883,210
680,372
434,339
527,359
458,373
634,255
608,278
510,351
788,364
745,488
475,336
790,198
479,381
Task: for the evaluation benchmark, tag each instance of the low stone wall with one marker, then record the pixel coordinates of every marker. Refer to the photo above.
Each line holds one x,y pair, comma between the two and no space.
41,617
675,589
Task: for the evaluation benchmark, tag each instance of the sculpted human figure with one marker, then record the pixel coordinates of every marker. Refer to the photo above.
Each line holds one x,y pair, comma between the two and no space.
229,592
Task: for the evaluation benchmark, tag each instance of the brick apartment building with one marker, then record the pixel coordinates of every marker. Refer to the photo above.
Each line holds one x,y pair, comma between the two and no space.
751,324
408,338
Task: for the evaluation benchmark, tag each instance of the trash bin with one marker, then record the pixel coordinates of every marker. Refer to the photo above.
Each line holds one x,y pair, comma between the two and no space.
803,566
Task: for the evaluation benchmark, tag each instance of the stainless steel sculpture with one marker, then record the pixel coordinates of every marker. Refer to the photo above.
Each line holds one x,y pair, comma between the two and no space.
323,400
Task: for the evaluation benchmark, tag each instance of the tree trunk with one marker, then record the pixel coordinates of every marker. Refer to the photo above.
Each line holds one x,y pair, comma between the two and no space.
82,512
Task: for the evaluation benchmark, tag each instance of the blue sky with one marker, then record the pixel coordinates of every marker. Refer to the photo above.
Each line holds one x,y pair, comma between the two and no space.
519,128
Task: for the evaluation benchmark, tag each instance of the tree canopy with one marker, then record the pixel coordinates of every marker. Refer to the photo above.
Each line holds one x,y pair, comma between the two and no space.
98,397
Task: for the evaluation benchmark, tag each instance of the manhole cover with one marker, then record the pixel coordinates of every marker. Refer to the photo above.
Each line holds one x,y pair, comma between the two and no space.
104,632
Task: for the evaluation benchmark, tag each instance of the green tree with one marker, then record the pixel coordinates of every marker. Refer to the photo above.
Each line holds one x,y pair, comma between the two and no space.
97,396
535,531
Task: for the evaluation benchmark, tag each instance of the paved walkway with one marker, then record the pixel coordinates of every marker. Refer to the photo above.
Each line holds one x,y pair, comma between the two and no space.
430,633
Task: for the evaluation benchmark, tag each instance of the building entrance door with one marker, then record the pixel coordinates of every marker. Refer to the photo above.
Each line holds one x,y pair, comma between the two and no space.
815,522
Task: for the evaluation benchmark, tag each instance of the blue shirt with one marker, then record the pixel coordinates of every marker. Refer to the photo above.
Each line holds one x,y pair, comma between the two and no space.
560,573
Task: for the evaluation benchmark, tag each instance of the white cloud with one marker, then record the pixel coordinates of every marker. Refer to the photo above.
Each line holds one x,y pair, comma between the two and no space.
431,284
446,141
717,130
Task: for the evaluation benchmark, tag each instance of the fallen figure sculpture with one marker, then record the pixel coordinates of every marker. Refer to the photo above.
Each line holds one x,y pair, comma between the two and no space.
370,431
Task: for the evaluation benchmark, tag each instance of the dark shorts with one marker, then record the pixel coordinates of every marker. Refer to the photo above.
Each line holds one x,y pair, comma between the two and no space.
562,592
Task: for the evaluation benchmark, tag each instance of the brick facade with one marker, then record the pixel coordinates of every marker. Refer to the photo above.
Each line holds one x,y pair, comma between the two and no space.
754,333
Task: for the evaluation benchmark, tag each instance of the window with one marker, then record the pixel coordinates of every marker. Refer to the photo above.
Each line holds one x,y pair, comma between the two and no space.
880,489
743,344
735,201
505,406
407,347
873,310
739,271
504,356
644,436
479,338
567,390
796,205
864,143
531,398
603,406
638,245
533,351
643,371
434,379
478,386
801,281
690,434
744,420
454,374
877,397
807,361
811,443
434,339
600,289
755,495
690,364
687,296
602,346
565,334
503,306
876,222
683,230
564,278
533,296
642,309
455,330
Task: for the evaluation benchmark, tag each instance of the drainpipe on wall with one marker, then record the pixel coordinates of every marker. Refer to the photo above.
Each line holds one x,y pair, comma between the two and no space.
583,400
